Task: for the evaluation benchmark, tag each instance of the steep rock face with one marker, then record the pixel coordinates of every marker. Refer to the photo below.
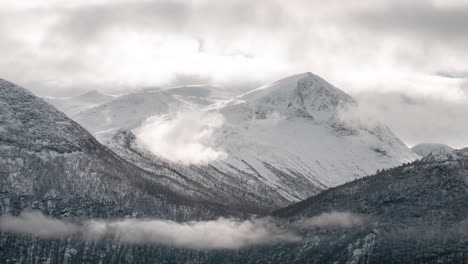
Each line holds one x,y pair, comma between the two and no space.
301,95
50,163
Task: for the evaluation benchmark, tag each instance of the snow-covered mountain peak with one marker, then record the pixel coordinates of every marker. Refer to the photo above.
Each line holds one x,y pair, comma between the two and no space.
301,95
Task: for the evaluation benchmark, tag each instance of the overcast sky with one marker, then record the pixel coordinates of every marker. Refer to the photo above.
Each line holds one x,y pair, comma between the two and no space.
405,60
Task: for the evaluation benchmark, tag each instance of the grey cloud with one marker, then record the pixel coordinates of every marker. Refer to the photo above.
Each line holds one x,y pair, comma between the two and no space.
171,17
86,23
421,18
303,36
453,74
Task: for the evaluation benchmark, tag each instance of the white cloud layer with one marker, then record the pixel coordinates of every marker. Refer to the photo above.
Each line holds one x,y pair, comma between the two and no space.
186,138
215,234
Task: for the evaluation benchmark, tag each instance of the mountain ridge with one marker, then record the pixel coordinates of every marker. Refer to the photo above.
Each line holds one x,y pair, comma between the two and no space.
281,156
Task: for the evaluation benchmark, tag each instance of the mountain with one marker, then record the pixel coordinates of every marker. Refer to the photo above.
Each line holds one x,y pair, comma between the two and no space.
128,111
425,149
50,163
414,213
301,95
299,119
74,105
283,142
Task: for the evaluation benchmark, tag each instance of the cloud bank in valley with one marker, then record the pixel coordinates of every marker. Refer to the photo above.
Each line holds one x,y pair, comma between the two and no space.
202,235
187,137
333,220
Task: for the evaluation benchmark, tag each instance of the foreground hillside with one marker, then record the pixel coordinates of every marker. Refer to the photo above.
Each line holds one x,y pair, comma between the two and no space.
416,213
50,163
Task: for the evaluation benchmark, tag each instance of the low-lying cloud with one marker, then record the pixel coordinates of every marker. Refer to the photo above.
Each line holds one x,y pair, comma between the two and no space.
186,138
203,235
333,220
216,234
36,224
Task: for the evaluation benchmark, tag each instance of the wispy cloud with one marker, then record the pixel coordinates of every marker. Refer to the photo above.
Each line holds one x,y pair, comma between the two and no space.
414,119
186,137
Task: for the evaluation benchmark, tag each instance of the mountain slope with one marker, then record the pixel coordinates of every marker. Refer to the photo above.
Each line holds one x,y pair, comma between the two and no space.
74,105
284,141
290,133
127,111
419,212
301,95
416,213
425,149
132,109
